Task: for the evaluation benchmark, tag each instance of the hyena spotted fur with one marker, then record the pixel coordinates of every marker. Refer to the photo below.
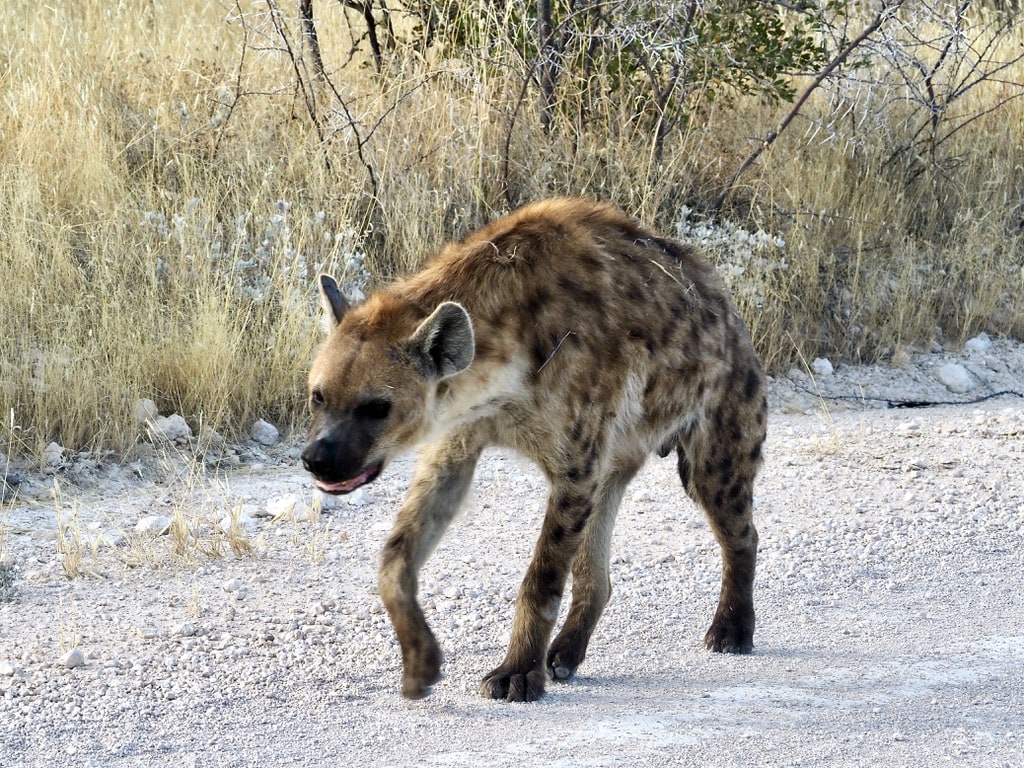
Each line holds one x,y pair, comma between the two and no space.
572,334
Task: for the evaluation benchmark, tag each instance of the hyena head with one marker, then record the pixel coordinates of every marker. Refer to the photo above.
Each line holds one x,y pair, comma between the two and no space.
374,381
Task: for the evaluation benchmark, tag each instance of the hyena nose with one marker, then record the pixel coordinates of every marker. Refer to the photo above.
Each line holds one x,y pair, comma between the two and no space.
314,456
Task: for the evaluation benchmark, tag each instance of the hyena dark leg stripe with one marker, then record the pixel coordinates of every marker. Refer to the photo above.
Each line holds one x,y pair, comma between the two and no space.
522,674
591,583
438,489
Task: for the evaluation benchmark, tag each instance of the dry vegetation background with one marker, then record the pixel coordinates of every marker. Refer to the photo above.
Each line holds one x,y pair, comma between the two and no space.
172,179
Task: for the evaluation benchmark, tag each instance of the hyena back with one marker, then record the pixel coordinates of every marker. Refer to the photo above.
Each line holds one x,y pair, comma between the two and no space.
570,333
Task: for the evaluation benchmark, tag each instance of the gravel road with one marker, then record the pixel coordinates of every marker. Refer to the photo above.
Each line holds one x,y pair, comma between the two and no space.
889,598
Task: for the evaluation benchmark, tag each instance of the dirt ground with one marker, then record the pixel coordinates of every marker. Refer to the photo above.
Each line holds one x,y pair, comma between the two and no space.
889,598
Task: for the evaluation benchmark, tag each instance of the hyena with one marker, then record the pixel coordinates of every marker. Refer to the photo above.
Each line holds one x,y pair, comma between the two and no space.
570,333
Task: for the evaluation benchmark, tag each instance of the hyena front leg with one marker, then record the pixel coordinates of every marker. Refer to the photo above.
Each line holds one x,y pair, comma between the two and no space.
591,583
522,674
438,489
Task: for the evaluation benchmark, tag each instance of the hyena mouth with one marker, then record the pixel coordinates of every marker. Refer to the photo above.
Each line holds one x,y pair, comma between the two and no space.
347,486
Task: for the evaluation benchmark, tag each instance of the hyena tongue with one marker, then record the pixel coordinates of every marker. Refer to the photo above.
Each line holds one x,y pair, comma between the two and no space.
348,486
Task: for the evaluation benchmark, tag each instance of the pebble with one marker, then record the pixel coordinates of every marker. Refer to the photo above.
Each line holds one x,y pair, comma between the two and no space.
330,501
6,669
822,367
97,539
910,428
153,525
186,629
265,433
211,438
980,343
145,411
72,659
358,498
283,507
53,455
243,521
170,428
955,378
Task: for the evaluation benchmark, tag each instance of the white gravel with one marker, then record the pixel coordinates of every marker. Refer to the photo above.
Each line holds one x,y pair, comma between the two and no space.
889,597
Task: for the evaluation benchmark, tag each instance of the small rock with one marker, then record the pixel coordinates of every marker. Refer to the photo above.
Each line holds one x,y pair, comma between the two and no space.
303,514
283,508
910,428
186,629
232,585
955,378
822,367
11,477
211,438
327,501
72,659
8,490
105,539
995,364
153,525
265,433
53,455
243,521
170,428
900,357
6,669
980,343
145,411
248,509
795,374
358,498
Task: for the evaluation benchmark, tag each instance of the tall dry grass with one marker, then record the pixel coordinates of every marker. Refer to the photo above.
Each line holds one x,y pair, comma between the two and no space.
166,200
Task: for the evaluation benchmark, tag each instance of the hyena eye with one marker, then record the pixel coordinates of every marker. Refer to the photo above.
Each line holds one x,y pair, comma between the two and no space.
375,410
316,398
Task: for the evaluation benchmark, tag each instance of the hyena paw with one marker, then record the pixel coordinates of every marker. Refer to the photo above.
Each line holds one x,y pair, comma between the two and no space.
563,659
514,685
727,636
421,672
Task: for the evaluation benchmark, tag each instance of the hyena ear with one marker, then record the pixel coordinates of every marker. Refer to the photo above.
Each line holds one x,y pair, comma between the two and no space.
332,302
443,343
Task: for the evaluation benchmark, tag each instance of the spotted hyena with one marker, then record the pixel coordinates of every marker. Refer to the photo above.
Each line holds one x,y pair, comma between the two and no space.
572,334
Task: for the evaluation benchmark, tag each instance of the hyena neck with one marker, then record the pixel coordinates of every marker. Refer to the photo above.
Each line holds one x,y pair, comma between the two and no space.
486,389
496,379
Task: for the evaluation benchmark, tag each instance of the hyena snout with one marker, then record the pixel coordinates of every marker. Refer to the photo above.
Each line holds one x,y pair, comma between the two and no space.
337,465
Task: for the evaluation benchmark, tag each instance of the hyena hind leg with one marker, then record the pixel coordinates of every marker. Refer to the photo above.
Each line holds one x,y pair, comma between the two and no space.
719,474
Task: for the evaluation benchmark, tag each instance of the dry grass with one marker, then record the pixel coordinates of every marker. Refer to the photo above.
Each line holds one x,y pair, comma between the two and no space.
163,210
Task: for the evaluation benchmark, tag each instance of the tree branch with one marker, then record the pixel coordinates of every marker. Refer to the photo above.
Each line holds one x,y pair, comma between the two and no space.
887,9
